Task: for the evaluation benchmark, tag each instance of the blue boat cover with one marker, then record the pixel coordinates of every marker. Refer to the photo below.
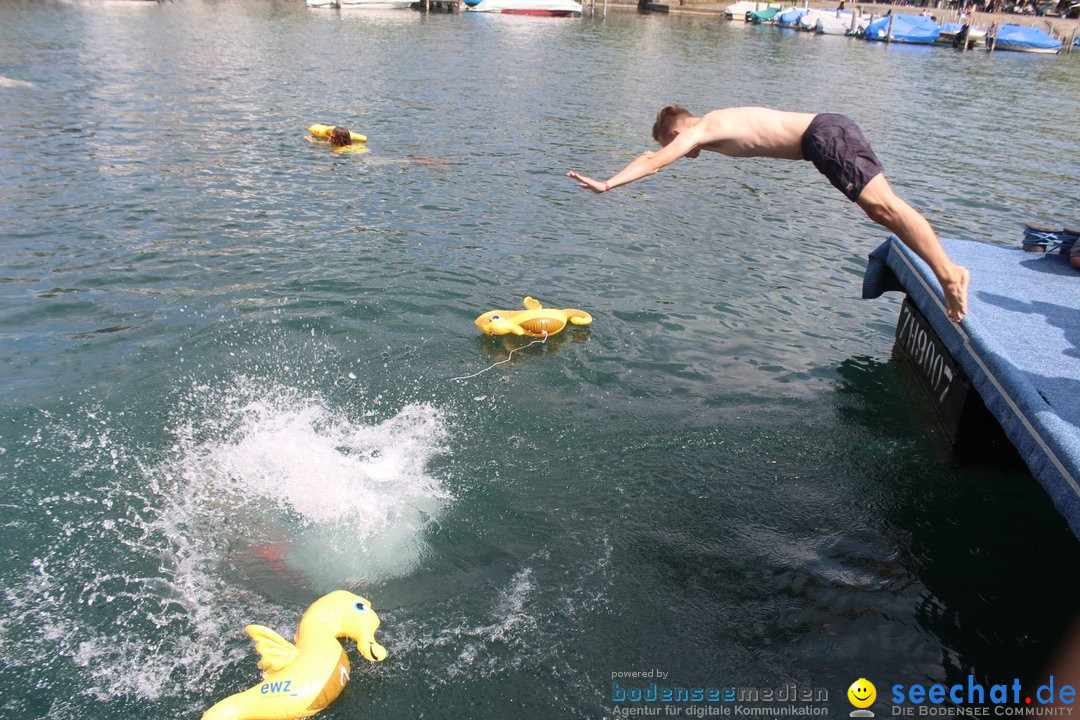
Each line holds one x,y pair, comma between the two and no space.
790,18
1026,36
951,27
905,29
1019,344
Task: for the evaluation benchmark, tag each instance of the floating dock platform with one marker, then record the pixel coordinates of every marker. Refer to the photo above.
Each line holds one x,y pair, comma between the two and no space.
1018,349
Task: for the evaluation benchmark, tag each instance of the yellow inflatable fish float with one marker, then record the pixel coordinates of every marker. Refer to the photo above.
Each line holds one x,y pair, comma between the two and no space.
302,677
535,320
323,130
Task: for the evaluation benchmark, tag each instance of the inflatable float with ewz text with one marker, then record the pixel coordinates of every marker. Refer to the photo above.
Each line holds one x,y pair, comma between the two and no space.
302,677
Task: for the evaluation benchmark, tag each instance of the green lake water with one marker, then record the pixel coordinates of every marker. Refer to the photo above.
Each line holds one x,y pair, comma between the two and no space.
229,363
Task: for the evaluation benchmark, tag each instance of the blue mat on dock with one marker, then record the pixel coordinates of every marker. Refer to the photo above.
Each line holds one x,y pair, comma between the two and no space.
1019,344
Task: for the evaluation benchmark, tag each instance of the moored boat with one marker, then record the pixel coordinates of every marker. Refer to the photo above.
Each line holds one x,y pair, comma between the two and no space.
549,8
1024,38
364,4
901,28
956,34
789,18
808,21
842,22
765,15
739,10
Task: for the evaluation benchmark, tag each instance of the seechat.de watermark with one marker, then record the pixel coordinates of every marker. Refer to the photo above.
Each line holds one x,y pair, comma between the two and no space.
973,699
966,699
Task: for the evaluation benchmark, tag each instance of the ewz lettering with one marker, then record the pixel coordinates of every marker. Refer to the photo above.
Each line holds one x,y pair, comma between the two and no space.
273,688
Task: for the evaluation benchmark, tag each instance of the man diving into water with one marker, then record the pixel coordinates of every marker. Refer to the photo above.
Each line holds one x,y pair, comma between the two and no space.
832,142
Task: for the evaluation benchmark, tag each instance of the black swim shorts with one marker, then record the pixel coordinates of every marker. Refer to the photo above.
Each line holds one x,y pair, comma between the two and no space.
838,149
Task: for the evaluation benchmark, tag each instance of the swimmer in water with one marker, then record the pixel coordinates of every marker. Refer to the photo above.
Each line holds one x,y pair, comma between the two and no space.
340,140
340,137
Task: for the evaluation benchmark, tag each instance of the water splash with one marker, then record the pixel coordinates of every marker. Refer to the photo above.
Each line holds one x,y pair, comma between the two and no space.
342,502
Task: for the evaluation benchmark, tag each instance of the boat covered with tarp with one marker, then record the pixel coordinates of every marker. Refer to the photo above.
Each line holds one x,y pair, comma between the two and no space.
1025,38
808,21
764,15
790,18
842,22
903,29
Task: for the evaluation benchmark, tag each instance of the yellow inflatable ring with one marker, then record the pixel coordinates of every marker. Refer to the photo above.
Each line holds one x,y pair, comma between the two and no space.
323,130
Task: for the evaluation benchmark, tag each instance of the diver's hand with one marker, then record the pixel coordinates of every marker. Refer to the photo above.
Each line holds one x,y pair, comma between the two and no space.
587,182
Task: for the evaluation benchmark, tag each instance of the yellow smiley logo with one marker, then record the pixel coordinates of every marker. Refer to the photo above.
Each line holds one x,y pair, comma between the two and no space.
862,693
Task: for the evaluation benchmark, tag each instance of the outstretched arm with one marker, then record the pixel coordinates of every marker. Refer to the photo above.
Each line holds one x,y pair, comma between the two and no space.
645,164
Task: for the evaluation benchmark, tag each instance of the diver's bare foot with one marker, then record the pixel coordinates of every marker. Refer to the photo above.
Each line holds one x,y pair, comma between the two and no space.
955,288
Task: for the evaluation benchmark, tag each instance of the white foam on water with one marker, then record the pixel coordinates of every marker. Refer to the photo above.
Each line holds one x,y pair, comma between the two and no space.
6,82
139,589
474,635
513,625
494,629
341,501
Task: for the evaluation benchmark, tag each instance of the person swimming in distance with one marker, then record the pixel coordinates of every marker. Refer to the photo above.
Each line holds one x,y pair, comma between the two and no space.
340,140
340,137
337,136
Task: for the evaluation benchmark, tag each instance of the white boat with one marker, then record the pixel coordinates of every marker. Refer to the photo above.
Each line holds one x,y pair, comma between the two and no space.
553,8
976,36
950,32
809,19
843,22
739,10
366,4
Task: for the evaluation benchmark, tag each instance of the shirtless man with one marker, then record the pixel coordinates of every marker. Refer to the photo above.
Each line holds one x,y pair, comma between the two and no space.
833,143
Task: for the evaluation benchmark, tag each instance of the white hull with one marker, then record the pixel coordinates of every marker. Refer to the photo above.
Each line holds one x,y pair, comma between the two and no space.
528,7
829,24
363,4
1018,48
738,11
976,36
809,20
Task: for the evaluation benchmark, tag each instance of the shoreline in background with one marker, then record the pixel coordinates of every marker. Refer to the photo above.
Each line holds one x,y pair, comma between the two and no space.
1063,27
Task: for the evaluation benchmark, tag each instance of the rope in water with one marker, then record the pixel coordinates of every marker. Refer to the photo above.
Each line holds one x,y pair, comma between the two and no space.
504,360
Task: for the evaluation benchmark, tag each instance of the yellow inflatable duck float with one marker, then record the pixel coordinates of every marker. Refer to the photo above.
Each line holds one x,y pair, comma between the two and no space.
302,677
535,320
